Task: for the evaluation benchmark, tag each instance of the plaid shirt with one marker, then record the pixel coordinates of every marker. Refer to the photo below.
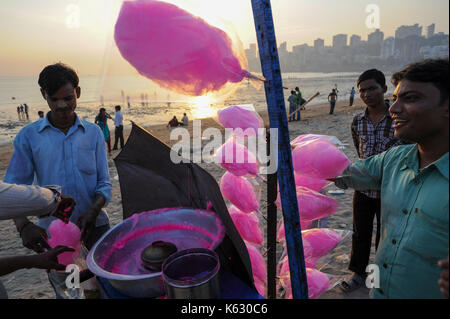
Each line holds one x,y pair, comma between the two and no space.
370,140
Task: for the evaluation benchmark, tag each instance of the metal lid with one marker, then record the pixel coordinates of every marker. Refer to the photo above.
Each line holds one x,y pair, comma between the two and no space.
154,255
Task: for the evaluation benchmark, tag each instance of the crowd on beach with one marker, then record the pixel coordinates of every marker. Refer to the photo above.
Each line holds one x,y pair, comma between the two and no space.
401,179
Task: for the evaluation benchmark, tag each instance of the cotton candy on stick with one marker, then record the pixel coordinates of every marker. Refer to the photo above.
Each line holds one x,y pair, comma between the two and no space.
318,159
68,235
240,192
236,158
242,119
247,226
176,49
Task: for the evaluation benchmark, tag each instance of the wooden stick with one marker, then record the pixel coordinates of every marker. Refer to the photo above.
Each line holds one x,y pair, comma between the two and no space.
304,104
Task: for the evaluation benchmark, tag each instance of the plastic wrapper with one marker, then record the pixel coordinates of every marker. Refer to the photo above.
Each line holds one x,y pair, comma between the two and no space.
309,182
259,267
243,119
69,235
312,205
318,159
247,226
281,234
175,49
240,192
237,159
310,137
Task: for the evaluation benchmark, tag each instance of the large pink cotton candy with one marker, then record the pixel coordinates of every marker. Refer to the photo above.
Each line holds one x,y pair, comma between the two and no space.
318,159
308,182
319,242
281,234
260,287
69,235
259,267
310,137
240,192
175,49
236,158
312,205
243,120
318,283
247,226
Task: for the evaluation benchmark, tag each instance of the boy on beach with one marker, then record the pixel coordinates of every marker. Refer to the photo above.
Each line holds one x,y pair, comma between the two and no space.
332,98
63,149
292,105
414,187
372,133
352,96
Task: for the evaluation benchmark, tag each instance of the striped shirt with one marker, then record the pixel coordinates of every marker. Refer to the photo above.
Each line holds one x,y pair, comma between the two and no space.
370,140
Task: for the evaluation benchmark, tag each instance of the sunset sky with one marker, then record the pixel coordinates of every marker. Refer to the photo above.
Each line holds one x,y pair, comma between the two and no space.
36,33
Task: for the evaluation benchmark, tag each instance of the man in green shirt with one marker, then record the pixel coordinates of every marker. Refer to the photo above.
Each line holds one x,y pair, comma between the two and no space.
413,180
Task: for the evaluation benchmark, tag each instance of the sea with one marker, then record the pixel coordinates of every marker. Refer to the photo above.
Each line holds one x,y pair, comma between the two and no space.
147,104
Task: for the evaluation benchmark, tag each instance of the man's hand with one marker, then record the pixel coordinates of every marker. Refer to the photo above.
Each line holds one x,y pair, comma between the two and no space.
34,237
64,209
86,223
49,259
443,281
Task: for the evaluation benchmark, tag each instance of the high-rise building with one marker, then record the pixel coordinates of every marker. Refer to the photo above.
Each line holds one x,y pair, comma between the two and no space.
408,30
339,41
376,37
388,48
251,51
355,40
430,30
319,44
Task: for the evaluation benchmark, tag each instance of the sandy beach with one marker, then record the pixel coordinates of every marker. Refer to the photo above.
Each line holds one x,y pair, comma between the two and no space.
32,283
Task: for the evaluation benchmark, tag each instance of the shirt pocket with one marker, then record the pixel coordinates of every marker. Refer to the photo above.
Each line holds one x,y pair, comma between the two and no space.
86,160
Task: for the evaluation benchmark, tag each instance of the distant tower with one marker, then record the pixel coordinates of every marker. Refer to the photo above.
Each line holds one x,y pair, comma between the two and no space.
430,30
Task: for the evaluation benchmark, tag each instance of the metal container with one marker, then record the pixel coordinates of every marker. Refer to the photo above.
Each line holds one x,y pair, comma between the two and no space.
184,227
192,274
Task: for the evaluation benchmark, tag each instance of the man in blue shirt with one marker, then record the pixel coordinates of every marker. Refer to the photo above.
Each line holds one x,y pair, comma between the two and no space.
63,149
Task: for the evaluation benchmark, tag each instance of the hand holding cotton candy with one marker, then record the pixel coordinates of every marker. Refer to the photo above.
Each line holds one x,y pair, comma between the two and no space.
236,158
68,235
240,192
247,226
318,159
175,49
242,119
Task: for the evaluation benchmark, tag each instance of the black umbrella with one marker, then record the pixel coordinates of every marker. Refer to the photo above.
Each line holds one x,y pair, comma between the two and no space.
150,180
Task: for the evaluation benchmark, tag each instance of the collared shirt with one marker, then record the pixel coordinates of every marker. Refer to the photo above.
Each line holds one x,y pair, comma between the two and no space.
292,101
118,119
370,140
414,219
76,161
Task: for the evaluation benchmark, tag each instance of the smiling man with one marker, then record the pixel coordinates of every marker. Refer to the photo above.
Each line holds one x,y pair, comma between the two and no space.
63,149
413,181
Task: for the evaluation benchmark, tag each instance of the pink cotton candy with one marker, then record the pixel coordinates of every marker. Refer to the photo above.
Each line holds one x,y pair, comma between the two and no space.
236,158
175,49
69,235
260,287
318,283
308,182
239,191
281,234
318,242
259,268
318,159
311,137
312,205
247,226
243,120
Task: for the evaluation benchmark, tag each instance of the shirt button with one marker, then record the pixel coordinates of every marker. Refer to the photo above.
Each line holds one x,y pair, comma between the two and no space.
405,211
416,182
394,241
381,291
384,266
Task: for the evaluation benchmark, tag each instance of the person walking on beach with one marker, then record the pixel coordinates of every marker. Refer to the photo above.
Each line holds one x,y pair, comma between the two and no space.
26,110
292,105
332,98
22,112
18,113
102,121
412,257
65,150
372,134
352,96
118,132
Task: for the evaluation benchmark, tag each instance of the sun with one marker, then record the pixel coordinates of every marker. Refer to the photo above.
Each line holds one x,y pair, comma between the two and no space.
201,107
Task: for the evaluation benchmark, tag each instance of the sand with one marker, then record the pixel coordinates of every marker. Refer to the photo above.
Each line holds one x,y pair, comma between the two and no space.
33,283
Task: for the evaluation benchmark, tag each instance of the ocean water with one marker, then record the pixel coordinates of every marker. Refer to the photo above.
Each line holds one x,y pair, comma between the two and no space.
159,105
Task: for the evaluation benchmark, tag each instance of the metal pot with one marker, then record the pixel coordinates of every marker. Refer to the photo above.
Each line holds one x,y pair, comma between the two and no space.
192,274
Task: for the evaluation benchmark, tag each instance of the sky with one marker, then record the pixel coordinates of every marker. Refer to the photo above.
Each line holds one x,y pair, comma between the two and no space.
80,32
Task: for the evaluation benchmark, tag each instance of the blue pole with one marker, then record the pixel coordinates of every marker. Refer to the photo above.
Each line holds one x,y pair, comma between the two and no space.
270,64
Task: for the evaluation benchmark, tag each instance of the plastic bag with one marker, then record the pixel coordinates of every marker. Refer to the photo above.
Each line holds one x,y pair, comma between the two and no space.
259,267
240,192
310,137
69,235
243,119
237,159
176,49
318,159
247,226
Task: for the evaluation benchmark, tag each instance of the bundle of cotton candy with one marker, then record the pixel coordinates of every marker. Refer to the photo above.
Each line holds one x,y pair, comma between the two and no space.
309,182
243,119
259,268
281,234
260,287
312,205
318,159
318,282
240,192
318,242
176,49
236,158
68,235
310,137
247,226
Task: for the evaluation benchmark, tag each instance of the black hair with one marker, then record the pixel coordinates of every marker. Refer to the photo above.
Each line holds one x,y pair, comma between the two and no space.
55,76
292,92
373,74
433,71
40,112
118,107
